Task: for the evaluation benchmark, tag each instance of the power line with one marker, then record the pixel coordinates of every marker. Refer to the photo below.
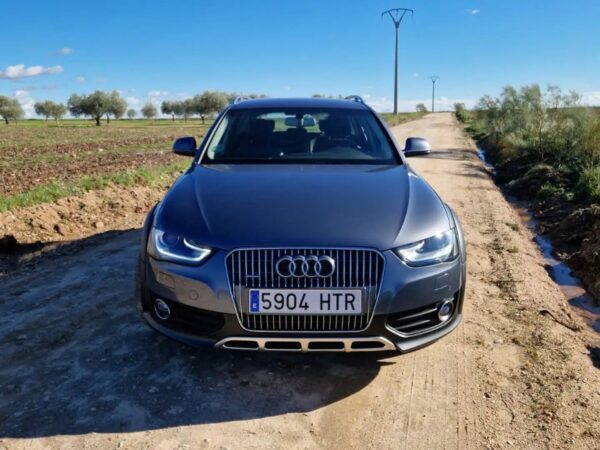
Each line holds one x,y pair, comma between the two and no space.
396,14
433,79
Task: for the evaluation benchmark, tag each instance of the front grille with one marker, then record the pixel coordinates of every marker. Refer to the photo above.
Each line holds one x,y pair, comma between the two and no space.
255,268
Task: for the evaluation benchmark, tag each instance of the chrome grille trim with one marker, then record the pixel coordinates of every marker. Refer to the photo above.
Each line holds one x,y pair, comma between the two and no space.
255,268
357,344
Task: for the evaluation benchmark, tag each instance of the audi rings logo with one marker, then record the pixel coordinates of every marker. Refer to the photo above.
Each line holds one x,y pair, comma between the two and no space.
309,266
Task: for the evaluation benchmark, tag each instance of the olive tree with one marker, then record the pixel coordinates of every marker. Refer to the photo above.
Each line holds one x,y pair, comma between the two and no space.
94,105
167,107
210,102
10,109
177,109
43,109
149,111
131,113
421,108
188,108
117,106
49,109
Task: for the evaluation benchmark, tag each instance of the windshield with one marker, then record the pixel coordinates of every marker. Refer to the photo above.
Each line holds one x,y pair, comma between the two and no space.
300,136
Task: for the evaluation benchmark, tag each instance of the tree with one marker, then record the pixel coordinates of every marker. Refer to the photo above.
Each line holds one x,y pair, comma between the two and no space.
188,108
74,105
94,105
131,113
117,106
42,109
177,108
58,111
10,109
421,108
168,107
210,102
49,109
149,111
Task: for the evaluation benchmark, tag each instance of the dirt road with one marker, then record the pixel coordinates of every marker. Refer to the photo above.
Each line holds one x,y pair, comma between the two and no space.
78,370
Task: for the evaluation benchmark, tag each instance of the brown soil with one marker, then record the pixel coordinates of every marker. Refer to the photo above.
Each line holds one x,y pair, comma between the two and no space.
33,156
22,179
79,370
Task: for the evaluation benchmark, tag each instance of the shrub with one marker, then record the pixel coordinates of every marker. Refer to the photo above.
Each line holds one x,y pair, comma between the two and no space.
421,108
549,190
462,113
588,185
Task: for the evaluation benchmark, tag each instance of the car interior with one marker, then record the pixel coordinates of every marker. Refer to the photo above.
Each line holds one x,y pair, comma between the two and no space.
299,135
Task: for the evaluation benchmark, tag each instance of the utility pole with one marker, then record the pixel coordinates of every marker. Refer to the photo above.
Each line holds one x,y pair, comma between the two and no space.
396,14
433,79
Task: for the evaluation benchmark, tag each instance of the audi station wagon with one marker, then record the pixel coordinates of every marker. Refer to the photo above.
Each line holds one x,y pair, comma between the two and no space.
300,226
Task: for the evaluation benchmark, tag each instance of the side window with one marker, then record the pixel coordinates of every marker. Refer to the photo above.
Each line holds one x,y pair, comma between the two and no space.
216,143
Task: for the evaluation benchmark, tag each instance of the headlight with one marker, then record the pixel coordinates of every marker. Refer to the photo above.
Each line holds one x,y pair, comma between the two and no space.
436,249
171,247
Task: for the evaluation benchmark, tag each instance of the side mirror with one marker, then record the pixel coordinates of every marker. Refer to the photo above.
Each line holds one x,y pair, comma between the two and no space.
416,146
185,146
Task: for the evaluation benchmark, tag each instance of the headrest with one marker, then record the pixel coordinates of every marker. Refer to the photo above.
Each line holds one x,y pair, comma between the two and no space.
335,126
263,126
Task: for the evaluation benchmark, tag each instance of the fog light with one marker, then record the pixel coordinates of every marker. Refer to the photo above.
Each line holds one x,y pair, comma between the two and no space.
445,310
161,309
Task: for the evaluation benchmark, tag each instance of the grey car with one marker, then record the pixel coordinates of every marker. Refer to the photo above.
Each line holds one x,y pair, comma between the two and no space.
300,226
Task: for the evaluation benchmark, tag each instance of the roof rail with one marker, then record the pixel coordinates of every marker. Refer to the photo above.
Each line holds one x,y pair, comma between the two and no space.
355,98
239,99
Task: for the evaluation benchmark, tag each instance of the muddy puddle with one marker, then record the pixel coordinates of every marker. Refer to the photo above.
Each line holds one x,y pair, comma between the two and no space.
577,296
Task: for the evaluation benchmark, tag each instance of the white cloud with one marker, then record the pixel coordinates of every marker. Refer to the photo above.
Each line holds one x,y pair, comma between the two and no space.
473,11
20,71
80,79
62,52
591,98
384,104
155,94
42,87
133,102
26,102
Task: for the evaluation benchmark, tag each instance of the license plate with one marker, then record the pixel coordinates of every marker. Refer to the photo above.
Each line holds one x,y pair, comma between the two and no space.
305,301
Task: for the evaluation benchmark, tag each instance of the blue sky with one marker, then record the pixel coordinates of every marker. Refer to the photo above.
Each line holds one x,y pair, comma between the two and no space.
156,50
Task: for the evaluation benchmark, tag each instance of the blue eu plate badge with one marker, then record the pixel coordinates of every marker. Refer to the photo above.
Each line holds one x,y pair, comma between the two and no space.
254,301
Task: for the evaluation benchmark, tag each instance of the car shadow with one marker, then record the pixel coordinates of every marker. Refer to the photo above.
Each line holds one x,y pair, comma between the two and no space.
76,358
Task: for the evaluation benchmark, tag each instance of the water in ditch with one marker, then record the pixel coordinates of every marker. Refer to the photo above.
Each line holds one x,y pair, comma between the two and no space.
583,302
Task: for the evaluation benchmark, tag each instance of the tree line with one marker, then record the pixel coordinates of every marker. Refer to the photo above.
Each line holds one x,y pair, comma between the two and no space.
109,105
205,104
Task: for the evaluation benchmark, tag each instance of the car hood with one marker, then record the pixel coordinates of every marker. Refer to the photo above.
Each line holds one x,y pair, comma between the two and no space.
233,206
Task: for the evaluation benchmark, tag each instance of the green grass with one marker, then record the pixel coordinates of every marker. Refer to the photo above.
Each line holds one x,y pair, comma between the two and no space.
55,190
85,123
393,120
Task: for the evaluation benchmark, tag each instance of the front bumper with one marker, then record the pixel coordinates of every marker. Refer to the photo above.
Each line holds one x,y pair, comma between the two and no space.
366,342
204,312
203,315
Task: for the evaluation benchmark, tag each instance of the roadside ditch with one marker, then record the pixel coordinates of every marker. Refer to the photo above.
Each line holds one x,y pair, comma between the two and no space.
571,280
